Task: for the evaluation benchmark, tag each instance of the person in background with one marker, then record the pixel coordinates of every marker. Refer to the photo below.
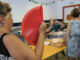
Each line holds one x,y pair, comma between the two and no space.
11,47
54,26
72,37
61,25
50,25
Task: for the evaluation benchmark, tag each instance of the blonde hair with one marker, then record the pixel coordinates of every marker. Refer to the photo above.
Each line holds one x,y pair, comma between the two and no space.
4,8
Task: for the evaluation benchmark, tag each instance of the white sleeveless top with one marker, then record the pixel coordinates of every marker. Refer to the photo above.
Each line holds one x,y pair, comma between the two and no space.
2,57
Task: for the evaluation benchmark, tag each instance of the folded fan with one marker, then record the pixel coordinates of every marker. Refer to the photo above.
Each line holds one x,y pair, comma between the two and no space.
31,23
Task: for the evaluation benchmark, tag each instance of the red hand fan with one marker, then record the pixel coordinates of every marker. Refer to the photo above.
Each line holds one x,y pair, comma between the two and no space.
31,23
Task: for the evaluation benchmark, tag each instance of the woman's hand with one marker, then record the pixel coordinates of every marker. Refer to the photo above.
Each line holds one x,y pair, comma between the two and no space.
56,21
65,41
51,21
42,28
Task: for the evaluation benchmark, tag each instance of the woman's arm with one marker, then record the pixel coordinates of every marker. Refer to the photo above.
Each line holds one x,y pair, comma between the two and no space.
62,25
20,51
51,25
49,28
52,32
40,44
67,33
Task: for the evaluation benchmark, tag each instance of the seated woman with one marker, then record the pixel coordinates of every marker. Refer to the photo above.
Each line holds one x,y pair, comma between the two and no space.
54,26
11,45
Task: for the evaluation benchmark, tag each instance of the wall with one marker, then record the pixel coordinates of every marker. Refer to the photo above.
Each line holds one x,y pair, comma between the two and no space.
18,9
21,7
48,11
60,5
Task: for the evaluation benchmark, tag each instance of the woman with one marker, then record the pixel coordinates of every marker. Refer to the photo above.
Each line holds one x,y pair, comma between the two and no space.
73,32
11,45
55,26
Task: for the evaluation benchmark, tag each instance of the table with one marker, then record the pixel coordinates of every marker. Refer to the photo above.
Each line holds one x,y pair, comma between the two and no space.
51,50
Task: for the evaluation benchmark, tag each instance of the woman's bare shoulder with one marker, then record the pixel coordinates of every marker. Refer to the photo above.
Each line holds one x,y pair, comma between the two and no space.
11,38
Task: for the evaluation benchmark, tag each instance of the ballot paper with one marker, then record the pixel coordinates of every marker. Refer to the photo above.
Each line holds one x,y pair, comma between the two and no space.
46,43
56,40
59,34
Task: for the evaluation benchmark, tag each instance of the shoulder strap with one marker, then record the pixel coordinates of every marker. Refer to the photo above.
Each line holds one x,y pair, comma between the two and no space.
2,36
3,49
